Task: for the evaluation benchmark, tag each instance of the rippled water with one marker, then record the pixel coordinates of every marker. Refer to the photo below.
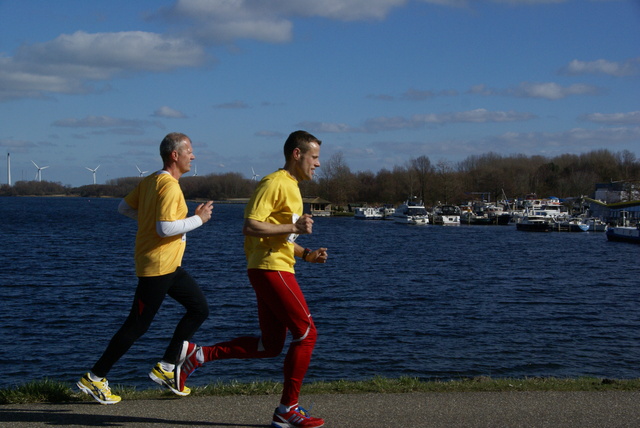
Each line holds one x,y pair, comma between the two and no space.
394,300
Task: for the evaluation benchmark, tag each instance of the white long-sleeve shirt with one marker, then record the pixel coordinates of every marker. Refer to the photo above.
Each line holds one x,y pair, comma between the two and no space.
165,228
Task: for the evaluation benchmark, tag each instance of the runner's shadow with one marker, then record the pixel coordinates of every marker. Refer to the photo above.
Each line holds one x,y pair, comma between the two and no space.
68,418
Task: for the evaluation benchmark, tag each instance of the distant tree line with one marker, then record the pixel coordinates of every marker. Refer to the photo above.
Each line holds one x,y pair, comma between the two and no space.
489,176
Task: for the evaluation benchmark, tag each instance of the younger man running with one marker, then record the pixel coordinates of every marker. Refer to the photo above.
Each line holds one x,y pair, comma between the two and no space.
273,220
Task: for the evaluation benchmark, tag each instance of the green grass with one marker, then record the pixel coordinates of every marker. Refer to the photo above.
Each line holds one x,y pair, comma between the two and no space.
48,391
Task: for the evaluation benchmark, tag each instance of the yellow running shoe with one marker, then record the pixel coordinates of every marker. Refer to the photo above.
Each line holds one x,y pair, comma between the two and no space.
165,378
100,390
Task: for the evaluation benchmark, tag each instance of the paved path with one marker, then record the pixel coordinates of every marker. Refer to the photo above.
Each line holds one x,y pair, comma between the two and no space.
469,409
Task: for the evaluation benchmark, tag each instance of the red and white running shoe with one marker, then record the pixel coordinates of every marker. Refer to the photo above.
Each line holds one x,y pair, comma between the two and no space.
295,418
186,365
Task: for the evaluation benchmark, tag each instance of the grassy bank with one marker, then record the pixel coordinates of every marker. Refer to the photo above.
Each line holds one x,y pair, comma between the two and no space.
48,391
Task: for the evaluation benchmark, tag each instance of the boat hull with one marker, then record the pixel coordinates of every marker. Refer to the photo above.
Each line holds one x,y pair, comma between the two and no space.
534,227
571,227
624,234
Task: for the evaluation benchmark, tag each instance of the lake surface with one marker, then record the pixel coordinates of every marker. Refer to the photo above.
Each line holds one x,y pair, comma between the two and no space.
393,300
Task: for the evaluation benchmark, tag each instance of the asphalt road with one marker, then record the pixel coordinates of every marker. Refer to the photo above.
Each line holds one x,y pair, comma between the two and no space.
469,409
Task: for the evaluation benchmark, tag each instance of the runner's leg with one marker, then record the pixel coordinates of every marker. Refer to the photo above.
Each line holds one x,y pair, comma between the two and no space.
149,296
186,291
281,306
268,345
303,332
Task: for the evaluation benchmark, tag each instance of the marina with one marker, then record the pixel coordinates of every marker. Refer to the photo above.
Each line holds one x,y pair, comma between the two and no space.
531,214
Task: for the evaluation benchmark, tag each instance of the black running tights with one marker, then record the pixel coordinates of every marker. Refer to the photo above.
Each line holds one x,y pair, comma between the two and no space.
149,296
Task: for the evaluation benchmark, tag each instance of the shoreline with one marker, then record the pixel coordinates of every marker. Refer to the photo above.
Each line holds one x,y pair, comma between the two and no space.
49,391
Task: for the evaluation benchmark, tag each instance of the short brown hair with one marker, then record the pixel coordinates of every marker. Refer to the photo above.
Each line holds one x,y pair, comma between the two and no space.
298,140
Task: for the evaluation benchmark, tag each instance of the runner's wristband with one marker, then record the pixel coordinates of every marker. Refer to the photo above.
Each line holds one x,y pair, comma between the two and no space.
305,253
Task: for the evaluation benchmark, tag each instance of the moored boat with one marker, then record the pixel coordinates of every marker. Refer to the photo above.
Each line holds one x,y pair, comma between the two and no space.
571,225
368,213
534,224
624,234
483,213
446,215
596,225
411,213
387,212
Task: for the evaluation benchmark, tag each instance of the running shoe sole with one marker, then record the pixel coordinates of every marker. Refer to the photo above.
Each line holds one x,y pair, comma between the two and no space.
88,391
162,382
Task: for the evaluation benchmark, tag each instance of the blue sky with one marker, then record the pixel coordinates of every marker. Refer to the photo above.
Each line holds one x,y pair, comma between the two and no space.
88,83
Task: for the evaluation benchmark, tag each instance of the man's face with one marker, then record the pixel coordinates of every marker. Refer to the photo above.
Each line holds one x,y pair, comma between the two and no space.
185,156
307,162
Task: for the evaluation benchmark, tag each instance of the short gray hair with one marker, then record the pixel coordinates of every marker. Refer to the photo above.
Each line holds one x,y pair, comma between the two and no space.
171,142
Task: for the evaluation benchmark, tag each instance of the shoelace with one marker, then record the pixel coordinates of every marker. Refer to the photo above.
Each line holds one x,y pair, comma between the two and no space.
105,388
305,412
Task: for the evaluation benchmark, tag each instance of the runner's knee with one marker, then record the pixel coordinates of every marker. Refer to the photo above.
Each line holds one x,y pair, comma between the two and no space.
272,347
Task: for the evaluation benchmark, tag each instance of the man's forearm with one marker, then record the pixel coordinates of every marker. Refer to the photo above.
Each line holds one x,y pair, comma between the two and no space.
263,229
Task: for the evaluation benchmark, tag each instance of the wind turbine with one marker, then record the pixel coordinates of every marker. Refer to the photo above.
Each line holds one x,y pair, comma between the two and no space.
39,173
142,173
94,172
195,170
255,176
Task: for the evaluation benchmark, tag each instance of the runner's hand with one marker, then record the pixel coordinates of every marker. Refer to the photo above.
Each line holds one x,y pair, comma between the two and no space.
304,225
318,256
204,211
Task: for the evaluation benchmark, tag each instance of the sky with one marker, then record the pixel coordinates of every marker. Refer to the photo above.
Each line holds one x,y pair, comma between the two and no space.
100,83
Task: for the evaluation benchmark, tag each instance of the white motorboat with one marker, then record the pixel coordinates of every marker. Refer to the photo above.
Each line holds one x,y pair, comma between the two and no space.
550,208
387,212
368,213
411,213
596,225
571,225
446,215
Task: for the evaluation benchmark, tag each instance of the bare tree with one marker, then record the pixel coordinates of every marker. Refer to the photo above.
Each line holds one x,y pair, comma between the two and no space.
421,170
337,183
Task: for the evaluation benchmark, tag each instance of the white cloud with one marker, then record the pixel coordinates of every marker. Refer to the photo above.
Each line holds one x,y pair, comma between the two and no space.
546,90
451,3
466,3
222,21
602,66
575,140
233,105
613,118
96,55
343,10
420,120
103,122
14,145
551,91
419,95
525,2
578,140
69,62
168,112
385,123
326,127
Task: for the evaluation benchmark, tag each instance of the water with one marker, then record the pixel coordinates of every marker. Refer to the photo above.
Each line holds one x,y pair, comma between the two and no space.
424,301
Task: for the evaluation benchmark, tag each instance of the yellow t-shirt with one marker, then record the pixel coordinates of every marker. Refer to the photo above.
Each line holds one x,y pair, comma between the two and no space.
157,197
276,200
